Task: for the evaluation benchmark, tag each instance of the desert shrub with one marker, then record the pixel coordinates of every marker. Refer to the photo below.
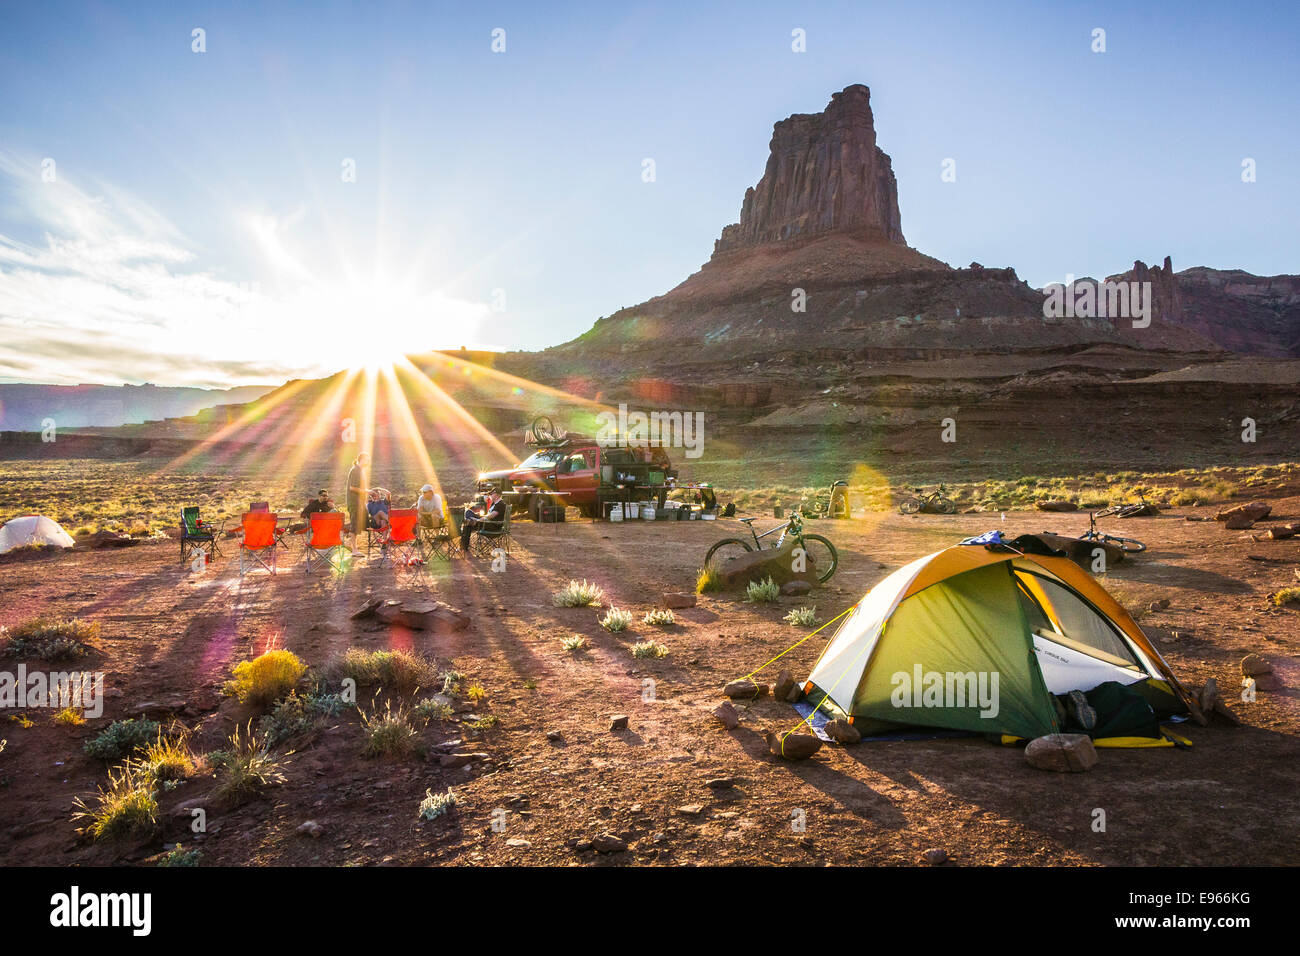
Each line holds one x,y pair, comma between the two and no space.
579,594
765,591
165,762
616,620
436,805
122,738
127,808
483,722
1185,497
49,639
802,616
430,709
69,717
451,682
299,714
401,671
1286,596
575,643
660,618
476,693
649,649
267,678
246,768
179,856
709,581
388,732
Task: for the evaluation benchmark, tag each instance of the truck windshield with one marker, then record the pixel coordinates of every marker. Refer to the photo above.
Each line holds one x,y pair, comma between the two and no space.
542,459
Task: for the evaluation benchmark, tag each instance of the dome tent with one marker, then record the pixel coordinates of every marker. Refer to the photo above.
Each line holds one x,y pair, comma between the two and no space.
33,529
980,640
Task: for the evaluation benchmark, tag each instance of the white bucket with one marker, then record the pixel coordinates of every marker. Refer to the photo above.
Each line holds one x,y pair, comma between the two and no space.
632,511
647,512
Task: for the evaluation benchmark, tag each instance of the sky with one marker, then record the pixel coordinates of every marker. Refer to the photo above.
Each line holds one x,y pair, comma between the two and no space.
188,218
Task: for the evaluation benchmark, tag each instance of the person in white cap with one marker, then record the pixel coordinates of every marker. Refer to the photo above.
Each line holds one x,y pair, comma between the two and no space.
429,506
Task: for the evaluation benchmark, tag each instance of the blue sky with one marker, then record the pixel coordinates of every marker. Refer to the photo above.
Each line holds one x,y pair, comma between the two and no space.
198,229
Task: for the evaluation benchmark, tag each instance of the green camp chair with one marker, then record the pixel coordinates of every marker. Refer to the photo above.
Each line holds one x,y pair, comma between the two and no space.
198,536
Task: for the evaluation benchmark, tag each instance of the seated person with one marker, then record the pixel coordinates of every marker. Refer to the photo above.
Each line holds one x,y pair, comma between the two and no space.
492,513
320,504
429,507
377,508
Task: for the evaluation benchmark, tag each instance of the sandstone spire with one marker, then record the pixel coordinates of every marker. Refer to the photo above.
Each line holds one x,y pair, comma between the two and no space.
824,173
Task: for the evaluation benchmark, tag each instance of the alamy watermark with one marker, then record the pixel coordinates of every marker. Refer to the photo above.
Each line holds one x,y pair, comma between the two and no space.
683,430
1089,299
61,690
946,689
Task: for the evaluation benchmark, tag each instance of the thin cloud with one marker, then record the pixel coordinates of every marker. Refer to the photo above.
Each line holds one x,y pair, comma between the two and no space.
106,289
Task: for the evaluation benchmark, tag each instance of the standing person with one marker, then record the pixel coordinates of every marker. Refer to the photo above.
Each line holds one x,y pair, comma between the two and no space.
429,507
357,497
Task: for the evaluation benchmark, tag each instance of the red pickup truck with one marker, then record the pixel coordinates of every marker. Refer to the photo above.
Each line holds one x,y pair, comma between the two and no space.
588,473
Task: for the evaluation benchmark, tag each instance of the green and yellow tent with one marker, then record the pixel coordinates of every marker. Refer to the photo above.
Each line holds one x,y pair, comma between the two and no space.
975,639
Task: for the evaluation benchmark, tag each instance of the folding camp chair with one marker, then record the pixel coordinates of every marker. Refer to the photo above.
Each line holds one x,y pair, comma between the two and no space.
325,541
259,543
197,536
438,542
281,534
402,544
490,535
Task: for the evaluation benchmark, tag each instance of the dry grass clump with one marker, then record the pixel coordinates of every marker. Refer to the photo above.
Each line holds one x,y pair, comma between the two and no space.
400,671
49,639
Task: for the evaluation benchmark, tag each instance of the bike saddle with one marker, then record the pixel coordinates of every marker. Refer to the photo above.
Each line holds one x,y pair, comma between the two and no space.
748,520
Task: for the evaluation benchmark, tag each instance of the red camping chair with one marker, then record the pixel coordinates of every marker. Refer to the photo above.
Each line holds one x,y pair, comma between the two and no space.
402,543
325,541
258,546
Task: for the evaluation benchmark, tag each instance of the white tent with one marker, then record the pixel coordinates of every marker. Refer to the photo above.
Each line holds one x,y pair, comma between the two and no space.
33,529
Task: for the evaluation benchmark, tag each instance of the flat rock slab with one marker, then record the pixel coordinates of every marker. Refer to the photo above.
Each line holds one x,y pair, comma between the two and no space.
423,616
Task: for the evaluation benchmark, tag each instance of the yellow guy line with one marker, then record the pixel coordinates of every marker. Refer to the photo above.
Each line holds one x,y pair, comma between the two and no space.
797,643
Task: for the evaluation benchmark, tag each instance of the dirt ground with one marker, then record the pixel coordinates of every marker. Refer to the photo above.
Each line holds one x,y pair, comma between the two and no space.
1233,799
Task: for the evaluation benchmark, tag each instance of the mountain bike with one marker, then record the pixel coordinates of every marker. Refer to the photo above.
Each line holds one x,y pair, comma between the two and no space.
934,503
1129,509
1127,545
818,549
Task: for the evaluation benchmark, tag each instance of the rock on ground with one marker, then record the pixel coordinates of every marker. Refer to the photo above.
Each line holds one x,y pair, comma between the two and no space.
1062,753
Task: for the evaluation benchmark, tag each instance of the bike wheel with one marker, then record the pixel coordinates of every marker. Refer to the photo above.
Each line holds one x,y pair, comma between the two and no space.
909,506
823,555
724,551
1127,545
945,506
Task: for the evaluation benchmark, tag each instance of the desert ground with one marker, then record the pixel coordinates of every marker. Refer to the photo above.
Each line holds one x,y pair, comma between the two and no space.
554,776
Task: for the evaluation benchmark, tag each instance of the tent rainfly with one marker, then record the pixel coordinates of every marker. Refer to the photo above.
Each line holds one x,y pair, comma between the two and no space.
974,639
33,529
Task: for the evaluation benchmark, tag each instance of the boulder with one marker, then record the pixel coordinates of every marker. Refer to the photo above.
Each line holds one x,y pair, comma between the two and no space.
311,828
726,715
1062,753
617,722
793,746
1252,665
1238,522
774,563
796,588
745,689
367,609
784,684
1057,504
841,731
608,843
1208,695
1251,512
676,600
935,856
